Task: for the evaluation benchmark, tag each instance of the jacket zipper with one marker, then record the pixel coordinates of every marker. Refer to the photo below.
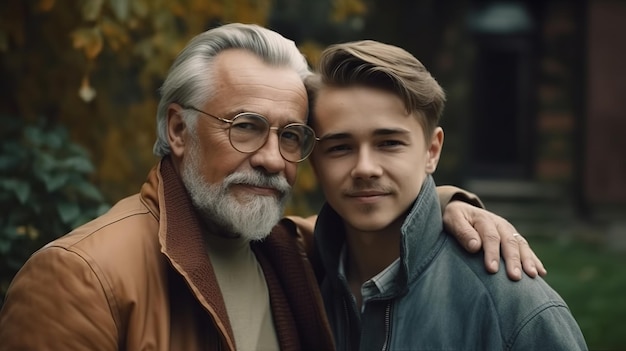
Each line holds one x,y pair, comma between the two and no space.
387,326
349,331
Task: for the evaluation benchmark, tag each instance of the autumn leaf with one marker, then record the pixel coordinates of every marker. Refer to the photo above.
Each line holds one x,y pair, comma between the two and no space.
344,9
140,8
91,9
89,39
45,5
115,34
121,9
177,9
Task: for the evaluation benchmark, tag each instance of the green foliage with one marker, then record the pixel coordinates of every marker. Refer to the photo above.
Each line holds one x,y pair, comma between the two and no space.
45,190
590,278
96,65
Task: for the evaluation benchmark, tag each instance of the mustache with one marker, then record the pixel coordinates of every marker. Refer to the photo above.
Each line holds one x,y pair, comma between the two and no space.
259,179
358,187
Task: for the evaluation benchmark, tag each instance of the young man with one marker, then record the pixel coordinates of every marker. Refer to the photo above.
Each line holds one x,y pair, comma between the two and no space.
393,278
199,259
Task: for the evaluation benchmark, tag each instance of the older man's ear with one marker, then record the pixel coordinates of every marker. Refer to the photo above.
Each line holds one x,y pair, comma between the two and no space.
176,130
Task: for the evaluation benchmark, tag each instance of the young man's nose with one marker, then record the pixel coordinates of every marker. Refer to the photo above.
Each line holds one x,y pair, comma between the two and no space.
366,166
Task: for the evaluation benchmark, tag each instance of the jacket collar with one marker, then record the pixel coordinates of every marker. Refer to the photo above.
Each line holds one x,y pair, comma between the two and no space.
421,236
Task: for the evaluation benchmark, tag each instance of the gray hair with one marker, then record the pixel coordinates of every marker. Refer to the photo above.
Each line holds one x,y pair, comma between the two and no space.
189,80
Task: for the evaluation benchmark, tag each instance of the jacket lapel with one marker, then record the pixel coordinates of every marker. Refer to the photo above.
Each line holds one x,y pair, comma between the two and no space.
181,240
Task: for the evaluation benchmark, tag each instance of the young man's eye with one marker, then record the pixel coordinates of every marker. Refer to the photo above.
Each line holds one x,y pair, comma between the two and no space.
337,148
391,143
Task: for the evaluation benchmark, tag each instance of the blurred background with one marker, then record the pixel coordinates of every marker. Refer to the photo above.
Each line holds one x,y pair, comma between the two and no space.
534,121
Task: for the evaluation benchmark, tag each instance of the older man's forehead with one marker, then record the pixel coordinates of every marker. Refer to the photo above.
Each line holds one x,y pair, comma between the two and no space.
244,83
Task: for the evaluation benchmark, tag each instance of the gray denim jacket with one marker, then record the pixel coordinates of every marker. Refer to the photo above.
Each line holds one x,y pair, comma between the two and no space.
442,298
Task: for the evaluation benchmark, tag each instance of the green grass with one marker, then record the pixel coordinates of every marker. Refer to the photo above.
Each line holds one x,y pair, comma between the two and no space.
592,280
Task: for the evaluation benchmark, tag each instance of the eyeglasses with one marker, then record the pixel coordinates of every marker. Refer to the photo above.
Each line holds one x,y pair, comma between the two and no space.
248,132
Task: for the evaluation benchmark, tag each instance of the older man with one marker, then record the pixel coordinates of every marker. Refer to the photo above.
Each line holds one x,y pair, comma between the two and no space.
189,262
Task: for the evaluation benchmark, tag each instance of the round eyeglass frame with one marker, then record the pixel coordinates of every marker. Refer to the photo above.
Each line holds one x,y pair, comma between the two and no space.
306,152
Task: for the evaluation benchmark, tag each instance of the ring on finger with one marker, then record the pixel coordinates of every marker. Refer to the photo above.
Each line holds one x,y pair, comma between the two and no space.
519,237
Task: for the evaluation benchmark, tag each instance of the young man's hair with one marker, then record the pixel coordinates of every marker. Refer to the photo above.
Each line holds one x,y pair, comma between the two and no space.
382,66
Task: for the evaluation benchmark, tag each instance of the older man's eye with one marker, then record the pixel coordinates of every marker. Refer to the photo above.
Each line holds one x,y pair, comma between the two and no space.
249,123
291,136
244,126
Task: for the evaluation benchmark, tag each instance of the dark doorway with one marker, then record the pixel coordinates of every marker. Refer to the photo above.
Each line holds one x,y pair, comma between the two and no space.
503,95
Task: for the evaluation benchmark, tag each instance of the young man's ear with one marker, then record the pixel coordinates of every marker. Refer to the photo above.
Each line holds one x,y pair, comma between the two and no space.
176,129
434,150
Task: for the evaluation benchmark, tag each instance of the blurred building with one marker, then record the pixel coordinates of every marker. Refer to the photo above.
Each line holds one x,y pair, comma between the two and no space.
536,106
548,108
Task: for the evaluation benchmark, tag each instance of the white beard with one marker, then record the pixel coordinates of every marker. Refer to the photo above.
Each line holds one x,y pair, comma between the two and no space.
253,217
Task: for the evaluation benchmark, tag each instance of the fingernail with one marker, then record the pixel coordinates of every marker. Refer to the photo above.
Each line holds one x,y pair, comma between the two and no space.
518,272
494,265
473,244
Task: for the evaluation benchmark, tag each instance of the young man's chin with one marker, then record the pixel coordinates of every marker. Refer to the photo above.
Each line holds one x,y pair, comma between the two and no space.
369,225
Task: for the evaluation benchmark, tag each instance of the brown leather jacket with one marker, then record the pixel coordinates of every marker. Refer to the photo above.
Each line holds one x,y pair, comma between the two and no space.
139,278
